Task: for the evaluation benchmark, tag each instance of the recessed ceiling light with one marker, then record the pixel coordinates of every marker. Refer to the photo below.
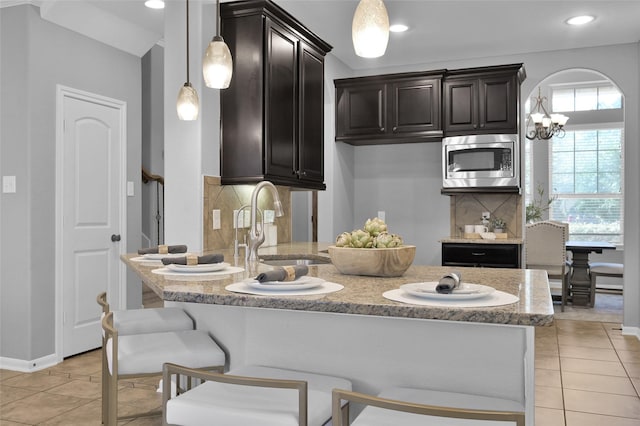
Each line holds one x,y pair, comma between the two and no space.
154,4
398,28
580,20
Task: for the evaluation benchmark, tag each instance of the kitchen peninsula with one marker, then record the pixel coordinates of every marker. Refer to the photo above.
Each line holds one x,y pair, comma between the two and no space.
375,342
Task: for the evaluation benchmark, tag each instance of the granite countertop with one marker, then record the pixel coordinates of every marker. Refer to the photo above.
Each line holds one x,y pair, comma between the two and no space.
482,241
362,295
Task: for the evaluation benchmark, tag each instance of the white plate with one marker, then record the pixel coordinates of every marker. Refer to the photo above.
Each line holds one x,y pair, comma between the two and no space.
204,267
428,290
159,256
301,283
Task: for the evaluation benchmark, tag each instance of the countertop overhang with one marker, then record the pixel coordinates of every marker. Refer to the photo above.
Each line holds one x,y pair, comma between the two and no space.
362,295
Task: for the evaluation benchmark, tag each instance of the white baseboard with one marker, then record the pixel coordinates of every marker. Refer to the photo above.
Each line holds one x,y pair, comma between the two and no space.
26,366
631,331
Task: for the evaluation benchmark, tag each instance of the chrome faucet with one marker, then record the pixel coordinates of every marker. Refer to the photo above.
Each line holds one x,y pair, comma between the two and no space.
236,243
256,233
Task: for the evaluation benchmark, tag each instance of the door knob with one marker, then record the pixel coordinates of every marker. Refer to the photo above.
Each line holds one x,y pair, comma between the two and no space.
115,237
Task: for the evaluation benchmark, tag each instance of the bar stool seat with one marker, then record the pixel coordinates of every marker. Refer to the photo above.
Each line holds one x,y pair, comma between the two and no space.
252,395
604,269
139,355
424,407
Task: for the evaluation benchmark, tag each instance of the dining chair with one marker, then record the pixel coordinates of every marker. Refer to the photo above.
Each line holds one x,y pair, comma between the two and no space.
141,355
602,269
545,248
249,395
423,407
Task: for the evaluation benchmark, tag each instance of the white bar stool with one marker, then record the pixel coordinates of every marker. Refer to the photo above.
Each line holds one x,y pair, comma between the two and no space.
250,395
424,407
139,355
149,320
603,269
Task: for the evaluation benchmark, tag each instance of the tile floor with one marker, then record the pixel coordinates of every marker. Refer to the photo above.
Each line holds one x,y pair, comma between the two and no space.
587,374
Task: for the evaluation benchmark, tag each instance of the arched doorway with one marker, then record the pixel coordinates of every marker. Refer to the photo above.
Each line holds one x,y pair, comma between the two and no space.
578,177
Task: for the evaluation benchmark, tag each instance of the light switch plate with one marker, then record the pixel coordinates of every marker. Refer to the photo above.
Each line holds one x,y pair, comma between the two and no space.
8,184
381,215
269,216
130,192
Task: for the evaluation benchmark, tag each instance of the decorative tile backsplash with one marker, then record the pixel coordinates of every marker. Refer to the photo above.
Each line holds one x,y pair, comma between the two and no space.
467,209
228,198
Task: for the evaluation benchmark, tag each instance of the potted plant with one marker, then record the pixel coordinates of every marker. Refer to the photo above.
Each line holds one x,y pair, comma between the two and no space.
499,225
538,206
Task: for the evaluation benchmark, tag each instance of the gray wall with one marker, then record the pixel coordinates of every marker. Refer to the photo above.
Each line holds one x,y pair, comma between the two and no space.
380,169
37,55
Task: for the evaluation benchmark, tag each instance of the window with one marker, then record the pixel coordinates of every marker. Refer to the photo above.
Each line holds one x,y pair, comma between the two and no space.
586,166
586,98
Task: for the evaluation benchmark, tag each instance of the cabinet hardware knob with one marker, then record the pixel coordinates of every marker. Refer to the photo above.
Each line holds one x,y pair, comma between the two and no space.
477,254
395,129
115,237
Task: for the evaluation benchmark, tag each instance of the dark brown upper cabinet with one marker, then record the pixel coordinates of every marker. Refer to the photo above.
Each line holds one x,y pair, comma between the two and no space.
393,108
272,114
482,100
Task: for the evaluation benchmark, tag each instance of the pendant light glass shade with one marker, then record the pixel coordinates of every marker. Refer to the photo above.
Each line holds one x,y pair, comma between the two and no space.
217,64
370,29
188,104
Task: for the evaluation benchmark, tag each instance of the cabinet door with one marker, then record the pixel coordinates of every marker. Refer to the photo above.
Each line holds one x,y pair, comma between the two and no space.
281,101
311,140
361,110
461,105
415,107
498,103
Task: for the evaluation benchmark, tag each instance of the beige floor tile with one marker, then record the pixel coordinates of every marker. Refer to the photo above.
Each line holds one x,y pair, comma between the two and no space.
598,333
38,382
598,383
549,417
545,332
633,369
588,353
589,366
572,325
602,403
79,388
636,384
549,397
7,374
585,419
4,422
550,378
584,341
546,347
40,407
143,399
628,356
146,421
87,415
548,362
626,343
10,394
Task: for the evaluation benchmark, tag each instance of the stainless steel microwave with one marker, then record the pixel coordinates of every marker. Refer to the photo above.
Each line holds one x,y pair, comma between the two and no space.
481,163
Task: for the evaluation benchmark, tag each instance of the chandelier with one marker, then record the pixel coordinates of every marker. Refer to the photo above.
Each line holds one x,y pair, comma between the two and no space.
545,125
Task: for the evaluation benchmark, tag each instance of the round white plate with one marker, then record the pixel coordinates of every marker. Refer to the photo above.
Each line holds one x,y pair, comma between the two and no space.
428,290
158,256
204,267
301,283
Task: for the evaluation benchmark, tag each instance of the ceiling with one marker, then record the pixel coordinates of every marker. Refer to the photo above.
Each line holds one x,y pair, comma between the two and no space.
439,30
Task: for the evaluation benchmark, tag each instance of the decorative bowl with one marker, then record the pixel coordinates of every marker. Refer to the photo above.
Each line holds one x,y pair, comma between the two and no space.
375,262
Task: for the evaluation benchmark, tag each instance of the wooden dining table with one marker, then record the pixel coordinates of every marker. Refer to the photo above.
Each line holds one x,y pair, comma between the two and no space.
580,279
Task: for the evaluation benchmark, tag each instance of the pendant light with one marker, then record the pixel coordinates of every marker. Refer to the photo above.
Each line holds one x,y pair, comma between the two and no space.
217,64
188,103
370,29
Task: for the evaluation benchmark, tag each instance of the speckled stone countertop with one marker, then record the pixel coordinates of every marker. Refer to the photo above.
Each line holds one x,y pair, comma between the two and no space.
483,241
362,295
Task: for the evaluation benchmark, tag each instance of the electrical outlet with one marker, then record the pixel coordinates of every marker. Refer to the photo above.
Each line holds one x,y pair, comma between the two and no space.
216,219
486,215
235,215
246,222
269,216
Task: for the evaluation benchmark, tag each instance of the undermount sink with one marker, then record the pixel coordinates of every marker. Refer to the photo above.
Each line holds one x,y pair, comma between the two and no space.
295,261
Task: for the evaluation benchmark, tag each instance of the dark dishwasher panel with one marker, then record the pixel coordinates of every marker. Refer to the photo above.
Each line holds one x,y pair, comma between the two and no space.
482,255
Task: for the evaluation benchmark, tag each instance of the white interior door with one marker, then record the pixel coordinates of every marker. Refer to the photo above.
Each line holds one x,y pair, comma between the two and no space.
91,223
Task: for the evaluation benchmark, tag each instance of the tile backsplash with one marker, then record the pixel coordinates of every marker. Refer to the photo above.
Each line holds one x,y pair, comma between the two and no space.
228,198
467,209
